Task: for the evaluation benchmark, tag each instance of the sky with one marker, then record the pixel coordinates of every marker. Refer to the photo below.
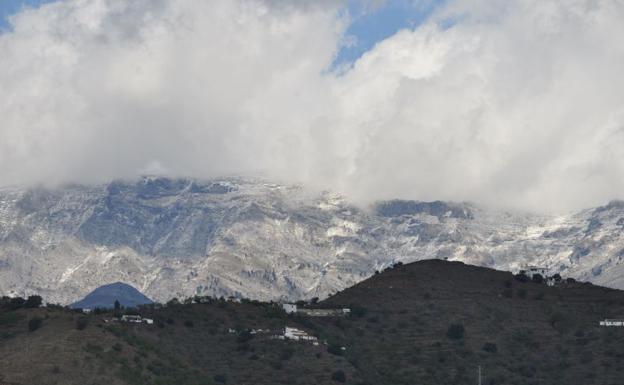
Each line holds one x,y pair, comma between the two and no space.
509,103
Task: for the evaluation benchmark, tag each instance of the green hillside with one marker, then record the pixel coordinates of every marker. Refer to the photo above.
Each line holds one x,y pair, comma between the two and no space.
430,322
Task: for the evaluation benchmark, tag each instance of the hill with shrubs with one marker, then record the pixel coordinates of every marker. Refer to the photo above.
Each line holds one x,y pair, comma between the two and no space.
429,322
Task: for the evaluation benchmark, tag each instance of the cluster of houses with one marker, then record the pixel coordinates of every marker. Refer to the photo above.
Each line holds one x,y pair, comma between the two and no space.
291,308
612,322
297,335
532,271
134,319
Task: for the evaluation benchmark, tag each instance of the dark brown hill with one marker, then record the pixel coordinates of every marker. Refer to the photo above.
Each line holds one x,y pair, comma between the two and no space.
519,333
430,322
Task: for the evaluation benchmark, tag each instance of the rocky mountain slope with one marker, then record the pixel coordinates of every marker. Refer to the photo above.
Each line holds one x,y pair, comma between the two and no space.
252,238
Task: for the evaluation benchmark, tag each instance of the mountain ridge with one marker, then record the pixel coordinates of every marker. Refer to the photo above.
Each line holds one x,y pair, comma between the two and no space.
254,238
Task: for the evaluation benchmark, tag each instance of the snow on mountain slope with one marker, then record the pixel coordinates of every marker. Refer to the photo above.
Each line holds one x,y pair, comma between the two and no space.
244,237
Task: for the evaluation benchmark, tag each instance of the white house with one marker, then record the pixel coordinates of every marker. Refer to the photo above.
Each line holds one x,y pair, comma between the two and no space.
136,319
530,271
612,322
297,335
131,318
289,308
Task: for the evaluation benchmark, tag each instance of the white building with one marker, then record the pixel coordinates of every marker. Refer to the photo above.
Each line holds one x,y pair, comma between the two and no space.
297,335
136,319
289,308
612,322
530,271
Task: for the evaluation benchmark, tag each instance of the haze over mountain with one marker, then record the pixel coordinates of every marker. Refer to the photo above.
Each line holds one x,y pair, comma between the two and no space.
252,238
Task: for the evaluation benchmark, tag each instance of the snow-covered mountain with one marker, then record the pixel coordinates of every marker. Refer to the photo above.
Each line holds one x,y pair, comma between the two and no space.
251,238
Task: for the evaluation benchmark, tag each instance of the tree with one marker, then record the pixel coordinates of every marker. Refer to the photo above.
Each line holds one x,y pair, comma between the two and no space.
490,347
358,311
335,349
245,336
81,323
557,277
339,376
33,301
455,331
34,323
16,303
117,309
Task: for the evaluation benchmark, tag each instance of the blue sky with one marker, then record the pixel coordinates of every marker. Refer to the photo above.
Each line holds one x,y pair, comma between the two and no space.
370,25
374,24
9,7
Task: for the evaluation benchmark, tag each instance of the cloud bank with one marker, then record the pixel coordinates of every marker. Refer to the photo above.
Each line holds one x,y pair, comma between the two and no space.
514,103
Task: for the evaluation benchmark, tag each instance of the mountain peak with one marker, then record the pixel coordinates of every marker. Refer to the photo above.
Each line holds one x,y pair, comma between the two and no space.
106,295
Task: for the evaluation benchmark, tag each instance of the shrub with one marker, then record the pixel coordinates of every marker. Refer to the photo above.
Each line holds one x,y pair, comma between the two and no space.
244,336
358,311
339,376
335,349
173,302
521,277
34,323
537,278
287,353
81,323
490,347
570,280
16,303
455,331
34,301
522,293
560,322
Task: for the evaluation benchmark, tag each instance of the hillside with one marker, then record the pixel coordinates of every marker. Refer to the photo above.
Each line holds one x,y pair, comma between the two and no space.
257,239
399,332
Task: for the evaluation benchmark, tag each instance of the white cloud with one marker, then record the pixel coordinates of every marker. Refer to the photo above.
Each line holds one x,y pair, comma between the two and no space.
519,103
